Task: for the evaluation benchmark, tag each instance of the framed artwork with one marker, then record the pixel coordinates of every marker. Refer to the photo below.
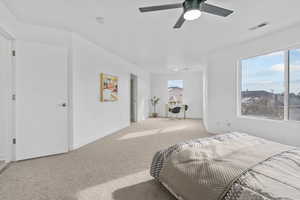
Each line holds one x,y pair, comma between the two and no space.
108,88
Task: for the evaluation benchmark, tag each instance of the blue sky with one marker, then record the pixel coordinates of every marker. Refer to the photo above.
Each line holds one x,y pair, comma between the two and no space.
175,83
267,72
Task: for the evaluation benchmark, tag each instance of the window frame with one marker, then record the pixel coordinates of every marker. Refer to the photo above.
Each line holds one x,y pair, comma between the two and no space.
239,66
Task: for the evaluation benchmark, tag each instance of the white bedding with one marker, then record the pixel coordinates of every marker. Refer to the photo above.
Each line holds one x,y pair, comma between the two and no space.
273,176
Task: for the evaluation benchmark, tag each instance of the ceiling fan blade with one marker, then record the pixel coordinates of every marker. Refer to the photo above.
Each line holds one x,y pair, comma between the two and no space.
179,22
161,7
215,10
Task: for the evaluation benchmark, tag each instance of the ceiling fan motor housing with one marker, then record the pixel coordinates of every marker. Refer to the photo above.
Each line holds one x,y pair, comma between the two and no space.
192,9
192,4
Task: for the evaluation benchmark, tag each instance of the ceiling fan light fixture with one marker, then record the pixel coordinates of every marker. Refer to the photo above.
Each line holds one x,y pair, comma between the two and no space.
192,14
192,9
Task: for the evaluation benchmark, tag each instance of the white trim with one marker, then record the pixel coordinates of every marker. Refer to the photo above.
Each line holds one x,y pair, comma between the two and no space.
286,52
3,166
268,120
5,34
70,96
286,84
267,52
96,137
239,88
9,147
205,96
14,112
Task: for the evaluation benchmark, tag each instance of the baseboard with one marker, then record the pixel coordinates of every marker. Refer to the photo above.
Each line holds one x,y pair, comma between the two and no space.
4,166
97,137
217,131
192,118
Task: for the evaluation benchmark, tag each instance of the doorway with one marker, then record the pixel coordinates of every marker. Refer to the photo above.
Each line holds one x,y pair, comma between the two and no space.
133,98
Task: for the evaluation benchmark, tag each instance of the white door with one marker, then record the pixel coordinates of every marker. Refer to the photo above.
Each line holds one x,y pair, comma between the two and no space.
41,97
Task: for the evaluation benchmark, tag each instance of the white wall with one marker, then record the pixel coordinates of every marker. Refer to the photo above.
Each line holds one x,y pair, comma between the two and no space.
7,20
222,90
89,118
192,92
94,119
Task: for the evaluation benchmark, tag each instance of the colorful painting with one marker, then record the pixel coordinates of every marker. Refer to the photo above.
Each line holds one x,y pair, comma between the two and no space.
109,88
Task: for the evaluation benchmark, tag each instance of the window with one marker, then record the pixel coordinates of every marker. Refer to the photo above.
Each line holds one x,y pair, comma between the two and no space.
175,91
263,86
294,85
270,86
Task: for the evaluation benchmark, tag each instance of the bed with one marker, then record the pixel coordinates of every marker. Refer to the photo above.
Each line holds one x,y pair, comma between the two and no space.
233,166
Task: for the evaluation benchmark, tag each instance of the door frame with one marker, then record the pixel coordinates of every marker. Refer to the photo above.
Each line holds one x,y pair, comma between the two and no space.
134,110
10,147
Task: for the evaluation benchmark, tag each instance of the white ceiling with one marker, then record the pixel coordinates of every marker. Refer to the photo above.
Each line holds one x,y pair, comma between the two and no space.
148,39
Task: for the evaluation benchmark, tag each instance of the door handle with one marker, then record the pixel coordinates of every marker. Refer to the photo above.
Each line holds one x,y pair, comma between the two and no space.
63,104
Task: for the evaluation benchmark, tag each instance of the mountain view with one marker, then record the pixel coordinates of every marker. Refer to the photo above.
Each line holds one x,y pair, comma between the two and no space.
175,91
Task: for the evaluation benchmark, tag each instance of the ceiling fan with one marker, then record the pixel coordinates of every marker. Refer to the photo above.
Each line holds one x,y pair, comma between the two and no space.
192,9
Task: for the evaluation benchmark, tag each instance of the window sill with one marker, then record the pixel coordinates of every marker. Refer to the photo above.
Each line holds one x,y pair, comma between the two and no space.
268,120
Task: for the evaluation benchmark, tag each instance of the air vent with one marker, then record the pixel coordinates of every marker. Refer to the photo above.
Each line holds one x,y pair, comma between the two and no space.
259,26
180,69
100,20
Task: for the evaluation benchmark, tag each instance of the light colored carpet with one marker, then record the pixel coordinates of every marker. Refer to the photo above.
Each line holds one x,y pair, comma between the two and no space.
113,168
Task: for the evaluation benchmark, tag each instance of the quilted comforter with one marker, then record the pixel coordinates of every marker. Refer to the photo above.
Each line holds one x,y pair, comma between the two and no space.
232,166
